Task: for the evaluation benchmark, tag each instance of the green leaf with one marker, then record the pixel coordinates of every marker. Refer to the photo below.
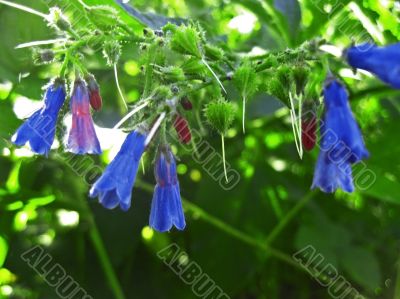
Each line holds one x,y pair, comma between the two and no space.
3,250
362,265
151,20
290,10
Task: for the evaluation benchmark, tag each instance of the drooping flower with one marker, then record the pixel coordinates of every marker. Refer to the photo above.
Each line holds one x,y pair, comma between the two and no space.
166,207
39,129
182,128
341,142
342,131
330,175
384,62
94,93
82,136
115,186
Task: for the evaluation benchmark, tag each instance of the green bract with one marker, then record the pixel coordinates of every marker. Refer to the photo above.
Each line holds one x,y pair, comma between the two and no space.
220,115
112,51
186,40
245,79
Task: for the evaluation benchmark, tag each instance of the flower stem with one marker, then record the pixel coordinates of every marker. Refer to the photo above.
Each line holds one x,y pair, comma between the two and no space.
105,262
148,76
239,235
64,65
288,217
101,251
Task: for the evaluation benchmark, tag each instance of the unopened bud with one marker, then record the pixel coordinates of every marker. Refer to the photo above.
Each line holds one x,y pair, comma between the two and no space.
94,93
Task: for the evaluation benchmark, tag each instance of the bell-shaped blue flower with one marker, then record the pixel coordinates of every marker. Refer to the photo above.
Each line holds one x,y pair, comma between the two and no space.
330,174
341,142
166,207
82,136
39,130
342,134
115,186
384,62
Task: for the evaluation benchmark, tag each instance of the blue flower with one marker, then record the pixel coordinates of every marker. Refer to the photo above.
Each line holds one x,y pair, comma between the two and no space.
39,129
166,207
115,185
341,142
82,136
339,129
330,175
384,62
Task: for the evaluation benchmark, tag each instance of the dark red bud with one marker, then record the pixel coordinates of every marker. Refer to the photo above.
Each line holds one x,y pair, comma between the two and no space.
94,93
309,132
182,128
95,100
186,103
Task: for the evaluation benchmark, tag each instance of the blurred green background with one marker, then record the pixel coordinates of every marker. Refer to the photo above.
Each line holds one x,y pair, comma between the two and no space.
43,201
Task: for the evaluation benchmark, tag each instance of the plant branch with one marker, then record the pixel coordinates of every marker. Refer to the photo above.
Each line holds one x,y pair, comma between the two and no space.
289,216
105,262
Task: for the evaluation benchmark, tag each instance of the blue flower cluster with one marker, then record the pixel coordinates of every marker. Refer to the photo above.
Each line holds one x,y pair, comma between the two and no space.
341,143
39,130
115,186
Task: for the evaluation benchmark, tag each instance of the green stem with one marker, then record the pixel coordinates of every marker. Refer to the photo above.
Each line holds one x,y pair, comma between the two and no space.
397,286
148,78
64,65
105,262
251,240
288,217
237,234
